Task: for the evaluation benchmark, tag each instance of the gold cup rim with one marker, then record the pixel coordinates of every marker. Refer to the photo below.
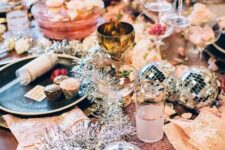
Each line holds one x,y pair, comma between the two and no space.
119,36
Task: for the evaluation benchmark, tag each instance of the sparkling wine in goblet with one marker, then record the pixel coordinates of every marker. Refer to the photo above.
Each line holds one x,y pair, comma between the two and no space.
115,38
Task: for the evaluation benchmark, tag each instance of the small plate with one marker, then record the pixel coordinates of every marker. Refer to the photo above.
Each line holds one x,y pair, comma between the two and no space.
13,101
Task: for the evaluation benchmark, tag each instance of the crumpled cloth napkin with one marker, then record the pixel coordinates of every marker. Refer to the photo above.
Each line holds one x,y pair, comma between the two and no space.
206,132
27,131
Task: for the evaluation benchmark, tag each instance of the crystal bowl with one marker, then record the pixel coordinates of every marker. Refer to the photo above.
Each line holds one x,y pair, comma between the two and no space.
65,28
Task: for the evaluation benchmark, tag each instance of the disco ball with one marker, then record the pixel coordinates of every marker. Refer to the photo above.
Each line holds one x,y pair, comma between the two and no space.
198,87
157,71
161,71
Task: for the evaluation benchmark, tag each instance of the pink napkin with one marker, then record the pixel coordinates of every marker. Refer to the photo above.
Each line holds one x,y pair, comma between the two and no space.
27,131
206,132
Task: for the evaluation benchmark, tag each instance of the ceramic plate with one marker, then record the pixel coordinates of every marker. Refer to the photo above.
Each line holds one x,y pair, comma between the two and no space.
13,101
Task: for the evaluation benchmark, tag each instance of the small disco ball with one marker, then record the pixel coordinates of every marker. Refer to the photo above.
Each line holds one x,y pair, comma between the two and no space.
161,71
198,88
157,71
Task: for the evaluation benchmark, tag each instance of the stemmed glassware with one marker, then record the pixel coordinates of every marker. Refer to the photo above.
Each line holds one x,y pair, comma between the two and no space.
178,20
161,29
158,6
115,38
204,35
115,80
159,32
116,83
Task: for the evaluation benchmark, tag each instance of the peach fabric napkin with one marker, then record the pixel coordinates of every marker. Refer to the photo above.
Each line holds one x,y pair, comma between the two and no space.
206,132
27,131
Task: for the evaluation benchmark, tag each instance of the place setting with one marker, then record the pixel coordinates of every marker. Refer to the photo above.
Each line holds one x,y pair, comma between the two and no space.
111,75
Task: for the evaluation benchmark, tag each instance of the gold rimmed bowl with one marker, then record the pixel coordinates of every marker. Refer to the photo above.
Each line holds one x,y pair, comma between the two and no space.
115,38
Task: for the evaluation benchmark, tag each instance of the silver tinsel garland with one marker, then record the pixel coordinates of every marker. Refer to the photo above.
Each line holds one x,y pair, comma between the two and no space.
112,125
73,48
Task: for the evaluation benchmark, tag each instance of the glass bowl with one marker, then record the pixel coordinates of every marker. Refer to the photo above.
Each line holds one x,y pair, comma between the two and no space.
118,82
65,28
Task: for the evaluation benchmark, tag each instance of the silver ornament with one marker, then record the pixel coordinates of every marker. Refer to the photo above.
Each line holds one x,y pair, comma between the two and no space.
198,87
157,71
172,90
161,71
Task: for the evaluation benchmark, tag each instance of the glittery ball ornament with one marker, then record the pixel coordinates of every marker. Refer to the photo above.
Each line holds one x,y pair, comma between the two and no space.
198,88
161,71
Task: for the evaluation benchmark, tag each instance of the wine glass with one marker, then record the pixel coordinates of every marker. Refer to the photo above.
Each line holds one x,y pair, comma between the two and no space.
116,83
159,32
178,20
115,38
204,35
158,6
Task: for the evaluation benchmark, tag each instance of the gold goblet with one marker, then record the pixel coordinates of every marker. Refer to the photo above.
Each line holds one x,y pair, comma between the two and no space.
115,38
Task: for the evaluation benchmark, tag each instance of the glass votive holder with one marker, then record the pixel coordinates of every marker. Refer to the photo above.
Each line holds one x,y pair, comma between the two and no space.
18,21
150,99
